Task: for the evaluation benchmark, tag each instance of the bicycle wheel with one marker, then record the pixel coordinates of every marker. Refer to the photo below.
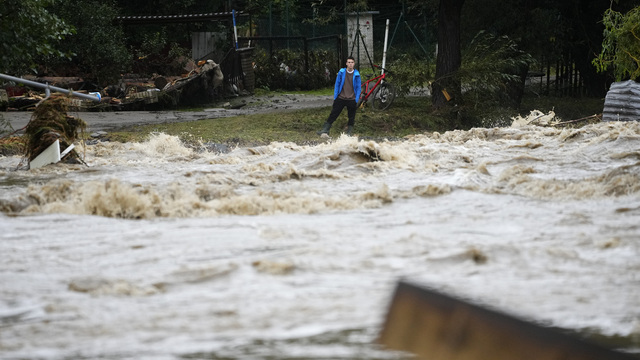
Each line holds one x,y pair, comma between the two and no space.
383,96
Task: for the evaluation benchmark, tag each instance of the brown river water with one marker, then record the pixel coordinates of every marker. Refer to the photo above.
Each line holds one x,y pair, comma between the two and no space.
159,251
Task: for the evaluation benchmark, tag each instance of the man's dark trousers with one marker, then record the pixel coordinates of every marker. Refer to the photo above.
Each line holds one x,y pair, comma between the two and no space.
338,105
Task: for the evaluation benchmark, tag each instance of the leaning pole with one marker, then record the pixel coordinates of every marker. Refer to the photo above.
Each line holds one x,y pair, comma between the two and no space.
48,88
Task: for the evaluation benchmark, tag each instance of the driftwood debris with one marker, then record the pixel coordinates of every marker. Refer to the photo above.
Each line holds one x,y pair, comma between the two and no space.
49,123
591,118
199,88
201,85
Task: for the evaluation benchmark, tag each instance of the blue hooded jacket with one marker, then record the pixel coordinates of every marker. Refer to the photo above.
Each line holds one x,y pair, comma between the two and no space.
357,83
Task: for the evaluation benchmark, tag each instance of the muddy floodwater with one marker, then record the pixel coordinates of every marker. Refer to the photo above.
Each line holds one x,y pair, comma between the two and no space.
159,251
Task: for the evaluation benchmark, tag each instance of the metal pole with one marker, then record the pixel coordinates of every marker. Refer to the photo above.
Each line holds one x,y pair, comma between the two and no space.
313,12
271,18
358,32
384,52
47,88
415,37
346,31
235,30
396,28
306,54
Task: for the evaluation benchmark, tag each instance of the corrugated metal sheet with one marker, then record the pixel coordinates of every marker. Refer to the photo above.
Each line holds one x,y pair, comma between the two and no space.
622,102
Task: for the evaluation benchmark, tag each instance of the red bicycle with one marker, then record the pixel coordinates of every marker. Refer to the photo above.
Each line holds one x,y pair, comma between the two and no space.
381,92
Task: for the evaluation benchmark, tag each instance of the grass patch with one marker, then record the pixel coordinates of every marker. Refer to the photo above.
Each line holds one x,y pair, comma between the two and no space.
408,115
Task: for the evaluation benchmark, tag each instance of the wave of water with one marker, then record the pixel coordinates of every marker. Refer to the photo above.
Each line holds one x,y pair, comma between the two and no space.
159,250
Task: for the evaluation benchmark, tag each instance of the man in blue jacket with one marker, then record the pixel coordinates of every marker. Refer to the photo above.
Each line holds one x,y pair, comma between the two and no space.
346,93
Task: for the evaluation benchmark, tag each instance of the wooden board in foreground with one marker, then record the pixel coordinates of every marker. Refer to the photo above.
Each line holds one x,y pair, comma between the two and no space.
435,326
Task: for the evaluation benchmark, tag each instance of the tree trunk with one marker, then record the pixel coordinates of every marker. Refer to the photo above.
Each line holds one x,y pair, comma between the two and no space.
448,60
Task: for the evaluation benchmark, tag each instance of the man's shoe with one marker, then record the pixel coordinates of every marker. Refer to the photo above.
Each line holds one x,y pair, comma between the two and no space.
325,129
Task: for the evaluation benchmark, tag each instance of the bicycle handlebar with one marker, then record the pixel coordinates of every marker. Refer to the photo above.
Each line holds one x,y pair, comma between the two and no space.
380,67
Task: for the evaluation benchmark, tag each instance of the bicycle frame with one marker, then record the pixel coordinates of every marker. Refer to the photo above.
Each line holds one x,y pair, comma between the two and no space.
365,86
366,92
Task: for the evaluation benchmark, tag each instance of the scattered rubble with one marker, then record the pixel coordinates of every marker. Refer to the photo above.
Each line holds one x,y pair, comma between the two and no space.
201,85
535,117
99,134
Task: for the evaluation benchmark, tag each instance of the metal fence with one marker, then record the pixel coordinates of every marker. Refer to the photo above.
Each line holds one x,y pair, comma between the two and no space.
408,32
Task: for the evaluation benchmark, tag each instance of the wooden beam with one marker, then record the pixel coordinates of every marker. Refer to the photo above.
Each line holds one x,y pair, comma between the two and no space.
435,326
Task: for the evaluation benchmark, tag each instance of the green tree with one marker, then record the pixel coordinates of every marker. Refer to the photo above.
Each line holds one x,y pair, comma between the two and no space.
621,44
493,69
28,30
99,45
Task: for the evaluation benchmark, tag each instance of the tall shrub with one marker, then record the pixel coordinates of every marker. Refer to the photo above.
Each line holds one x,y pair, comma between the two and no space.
621,44
29,29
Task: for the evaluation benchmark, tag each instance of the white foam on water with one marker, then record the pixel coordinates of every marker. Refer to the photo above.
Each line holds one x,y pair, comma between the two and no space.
156,250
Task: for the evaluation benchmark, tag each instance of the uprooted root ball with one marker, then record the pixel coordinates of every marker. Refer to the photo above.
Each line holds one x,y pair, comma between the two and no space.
49,123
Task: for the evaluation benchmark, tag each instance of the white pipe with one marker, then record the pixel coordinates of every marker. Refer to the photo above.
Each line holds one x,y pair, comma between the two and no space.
384,53
48,87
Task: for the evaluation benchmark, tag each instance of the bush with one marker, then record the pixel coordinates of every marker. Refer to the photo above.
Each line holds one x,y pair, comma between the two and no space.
493,70
28,30
620,46
408,72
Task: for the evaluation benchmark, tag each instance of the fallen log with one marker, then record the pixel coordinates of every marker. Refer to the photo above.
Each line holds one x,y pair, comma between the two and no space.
586,118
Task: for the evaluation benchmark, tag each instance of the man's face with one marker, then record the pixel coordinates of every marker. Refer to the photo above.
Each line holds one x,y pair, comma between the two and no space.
350,64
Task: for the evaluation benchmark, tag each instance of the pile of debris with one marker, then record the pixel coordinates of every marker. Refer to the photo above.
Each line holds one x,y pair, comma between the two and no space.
10,143
51,126
535,117
538,118
202,84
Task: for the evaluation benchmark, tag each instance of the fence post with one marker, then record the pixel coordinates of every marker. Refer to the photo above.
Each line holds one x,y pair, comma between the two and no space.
548,78
306,55
340,51
270,49
558,76
576,81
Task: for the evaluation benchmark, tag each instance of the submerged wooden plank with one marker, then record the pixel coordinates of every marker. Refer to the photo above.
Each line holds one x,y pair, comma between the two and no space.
435,326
